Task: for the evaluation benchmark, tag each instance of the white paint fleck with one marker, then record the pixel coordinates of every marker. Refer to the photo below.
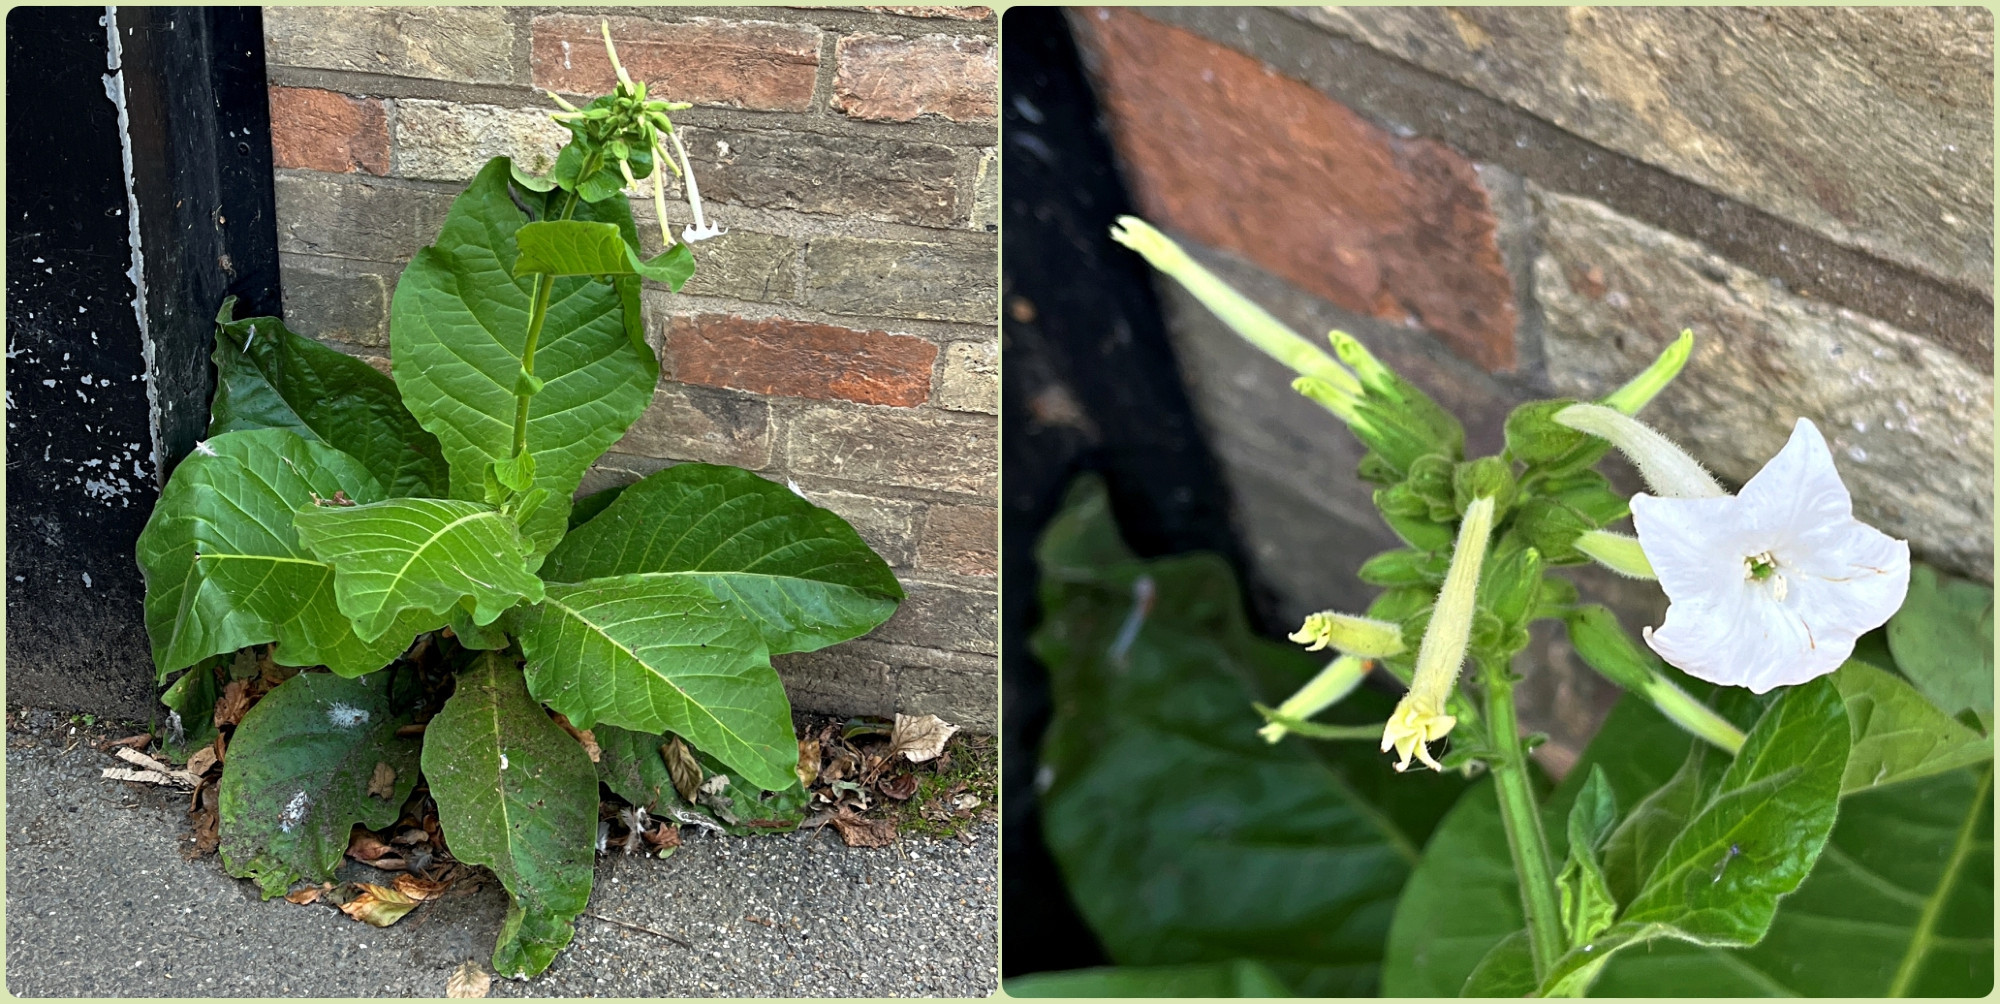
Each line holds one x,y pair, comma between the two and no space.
294,813
346,716
794,486
565,45
86,580
204,449
503,756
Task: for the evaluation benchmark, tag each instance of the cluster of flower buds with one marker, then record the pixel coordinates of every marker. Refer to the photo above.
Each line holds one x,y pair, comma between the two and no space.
621,138
1481,533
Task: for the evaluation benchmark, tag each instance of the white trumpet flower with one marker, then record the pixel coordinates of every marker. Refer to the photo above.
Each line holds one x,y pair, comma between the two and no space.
701,230
1772,586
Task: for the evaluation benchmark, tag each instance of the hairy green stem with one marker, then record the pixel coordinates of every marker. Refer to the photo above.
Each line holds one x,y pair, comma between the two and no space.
1529,846
538,311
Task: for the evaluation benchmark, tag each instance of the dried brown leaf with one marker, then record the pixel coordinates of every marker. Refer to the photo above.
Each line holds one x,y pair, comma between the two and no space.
363,845
683,768
417,888
235,700
664,835
900,787
919,737
582,736
840,767
378,906
201,760
137,742
382,783
808,761
469,981
858,832
303,896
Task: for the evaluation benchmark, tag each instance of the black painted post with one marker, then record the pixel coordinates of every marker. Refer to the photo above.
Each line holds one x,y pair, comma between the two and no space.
109,322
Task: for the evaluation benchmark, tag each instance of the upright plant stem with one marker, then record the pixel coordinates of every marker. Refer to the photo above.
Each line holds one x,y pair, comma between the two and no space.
538,311
1526,842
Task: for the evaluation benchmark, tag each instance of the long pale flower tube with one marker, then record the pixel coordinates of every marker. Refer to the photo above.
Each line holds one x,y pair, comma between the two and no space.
1667,468
1617,552
701,230
1328,687
1420,718
1247,319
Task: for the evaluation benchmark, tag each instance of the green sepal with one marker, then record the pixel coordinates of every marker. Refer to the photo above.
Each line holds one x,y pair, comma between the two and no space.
1603,644
1534,437
1511,580
515,473
1404,568
1486,477
1552,527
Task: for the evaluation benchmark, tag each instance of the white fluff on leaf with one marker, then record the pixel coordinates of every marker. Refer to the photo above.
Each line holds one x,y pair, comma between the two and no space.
1772,586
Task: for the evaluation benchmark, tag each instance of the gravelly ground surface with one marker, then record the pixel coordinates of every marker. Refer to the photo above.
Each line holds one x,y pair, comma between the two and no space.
101,904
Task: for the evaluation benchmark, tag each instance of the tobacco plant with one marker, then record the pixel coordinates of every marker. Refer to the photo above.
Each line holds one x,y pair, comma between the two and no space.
1772,809
343,518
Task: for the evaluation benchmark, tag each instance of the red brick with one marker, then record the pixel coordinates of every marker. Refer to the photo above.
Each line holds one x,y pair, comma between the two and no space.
962,539
743,64
891,79
956,13
800,359
324,131
1229,152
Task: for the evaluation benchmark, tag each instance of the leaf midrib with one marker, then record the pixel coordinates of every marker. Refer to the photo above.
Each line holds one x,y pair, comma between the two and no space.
1921,939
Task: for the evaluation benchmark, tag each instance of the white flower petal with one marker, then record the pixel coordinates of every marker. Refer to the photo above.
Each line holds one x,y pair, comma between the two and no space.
1771,587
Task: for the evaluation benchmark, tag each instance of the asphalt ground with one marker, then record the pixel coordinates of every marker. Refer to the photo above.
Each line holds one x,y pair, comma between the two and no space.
101,903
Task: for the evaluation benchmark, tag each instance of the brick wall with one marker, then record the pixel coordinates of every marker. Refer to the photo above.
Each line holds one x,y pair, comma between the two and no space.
1511,202
841,336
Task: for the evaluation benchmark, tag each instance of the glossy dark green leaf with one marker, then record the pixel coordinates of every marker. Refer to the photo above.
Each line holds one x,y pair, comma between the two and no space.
1943,640
660,653
1463,899
225,569
1900,904
1507,970
1587,905
629,763
269,378
296,781
1898,734
1238,978
519,795
1635,848
799,571
576,247
1850,930
1183,836
458,330
420,556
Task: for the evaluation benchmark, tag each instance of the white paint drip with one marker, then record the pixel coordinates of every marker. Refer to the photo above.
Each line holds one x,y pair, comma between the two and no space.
346,716
503,761
114,89
295,812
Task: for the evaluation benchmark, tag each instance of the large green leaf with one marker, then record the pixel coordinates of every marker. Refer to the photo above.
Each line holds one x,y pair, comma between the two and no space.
299,769
1463,900
629,763
659,653
1182,835
1943,639
1241,978
1898,734
224,567
799,570
459,328
576,247
1849,930
1755,839
266,377
519,795
420,555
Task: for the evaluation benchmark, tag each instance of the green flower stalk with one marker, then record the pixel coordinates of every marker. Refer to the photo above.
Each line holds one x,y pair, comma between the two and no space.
1420,718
